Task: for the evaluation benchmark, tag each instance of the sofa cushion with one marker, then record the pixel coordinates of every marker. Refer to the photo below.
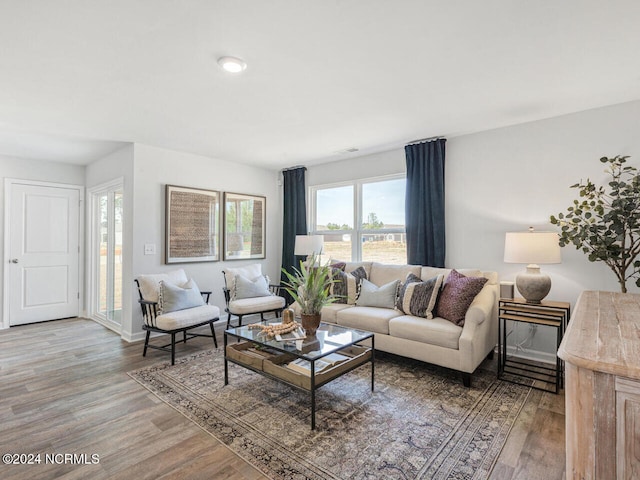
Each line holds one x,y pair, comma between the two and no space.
175,297
250,288
186,318
351,266
437,331
430,272
245,306
418,297
372,319
150,284
374,296
382,274
456,296
330,312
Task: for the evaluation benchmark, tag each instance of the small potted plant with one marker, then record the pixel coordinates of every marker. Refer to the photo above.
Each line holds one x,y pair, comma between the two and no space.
310,287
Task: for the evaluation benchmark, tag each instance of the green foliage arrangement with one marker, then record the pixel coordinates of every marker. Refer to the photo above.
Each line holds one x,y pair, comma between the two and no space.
605,222
310,286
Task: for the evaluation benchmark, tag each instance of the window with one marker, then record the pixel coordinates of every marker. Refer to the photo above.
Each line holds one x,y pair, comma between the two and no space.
361,220
105,250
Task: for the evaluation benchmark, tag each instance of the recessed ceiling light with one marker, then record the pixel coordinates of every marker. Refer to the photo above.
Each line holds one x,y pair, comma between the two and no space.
232,64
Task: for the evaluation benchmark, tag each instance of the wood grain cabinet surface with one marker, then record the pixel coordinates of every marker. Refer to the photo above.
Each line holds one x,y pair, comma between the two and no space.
601,348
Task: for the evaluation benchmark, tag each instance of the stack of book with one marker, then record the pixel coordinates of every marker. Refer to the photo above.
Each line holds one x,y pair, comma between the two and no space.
304,366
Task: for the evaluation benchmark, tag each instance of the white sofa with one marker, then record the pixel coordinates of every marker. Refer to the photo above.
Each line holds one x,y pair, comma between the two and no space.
436,340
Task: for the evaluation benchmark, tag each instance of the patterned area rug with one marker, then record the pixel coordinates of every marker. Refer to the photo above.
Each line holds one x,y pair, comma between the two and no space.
420,422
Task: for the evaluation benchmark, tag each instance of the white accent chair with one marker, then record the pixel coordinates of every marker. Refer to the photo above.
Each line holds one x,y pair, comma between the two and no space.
171,304
248,292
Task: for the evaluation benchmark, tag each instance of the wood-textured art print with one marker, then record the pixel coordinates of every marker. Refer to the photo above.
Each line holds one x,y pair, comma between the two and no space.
244,226
192,225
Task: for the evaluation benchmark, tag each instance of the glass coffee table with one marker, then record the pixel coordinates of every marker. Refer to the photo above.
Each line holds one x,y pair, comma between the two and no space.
305,363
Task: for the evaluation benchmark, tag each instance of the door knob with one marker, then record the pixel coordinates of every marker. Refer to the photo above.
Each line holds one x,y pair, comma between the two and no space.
14,260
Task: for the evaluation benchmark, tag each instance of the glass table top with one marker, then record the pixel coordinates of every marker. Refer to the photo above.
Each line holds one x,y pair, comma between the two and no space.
328,339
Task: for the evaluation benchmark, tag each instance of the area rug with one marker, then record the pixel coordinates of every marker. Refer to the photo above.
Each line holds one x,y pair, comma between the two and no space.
420,422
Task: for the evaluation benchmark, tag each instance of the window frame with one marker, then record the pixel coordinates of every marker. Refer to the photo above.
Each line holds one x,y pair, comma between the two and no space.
357,231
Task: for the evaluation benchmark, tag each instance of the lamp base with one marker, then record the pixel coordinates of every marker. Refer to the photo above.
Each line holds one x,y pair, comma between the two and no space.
533,285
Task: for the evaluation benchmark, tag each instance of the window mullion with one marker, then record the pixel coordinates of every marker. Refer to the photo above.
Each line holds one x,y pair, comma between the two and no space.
356,250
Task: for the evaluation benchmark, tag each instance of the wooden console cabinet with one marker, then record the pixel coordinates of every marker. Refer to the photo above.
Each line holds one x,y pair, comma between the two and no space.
601,350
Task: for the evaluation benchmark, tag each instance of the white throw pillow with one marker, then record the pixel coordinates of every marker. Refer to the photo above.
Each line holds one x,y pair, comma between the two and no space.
374,296
248,271
245,288
176,297
150,284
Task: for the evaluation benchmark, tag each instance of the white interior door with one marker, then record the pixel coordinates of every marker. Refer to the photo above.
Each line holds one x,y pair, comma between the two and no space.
44,253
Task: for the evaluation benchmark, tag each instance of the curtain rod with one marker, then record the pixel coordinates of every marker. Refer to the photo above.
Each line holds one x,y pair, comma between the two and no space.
293,168
424,140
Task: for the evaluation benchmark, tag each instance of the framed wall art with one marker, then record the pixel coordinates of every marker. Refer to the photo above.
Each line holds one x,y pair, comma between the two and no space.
192,225
244,226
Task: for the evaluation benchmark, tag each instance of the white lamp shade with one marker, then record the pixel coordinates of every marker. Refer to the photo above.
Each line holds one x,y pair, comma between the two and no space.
308,244
532,247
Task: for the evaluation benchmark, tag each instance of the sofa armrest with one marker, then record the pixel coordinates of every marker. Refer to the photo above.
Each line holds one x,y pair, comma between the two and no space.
479,334
481,307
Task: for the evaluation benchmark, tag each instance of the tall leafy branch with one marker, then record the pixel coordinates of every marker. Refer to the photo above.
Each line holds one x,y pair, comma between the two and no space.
605,222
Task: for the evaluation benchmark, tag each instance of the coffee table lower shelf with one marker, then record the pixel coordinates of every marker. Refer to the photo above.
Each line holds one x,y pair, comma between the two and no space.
273,366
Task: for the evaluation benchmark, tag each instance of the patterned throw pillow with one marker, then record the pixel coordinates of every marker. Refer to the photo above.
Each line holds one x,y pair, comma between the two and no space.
418,297
354,280
457,295
339,265
373,296
346,286
339,285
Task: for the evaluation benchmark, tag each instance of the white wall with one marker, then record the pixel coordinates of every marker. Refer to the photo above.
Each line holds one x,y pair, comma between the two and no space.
511,178
154,168
375,165
36,170
118,164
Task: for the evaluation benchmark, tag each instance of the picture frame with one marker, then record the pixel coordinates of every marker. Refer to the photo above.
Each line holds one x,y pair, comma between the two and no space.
192,227
244,226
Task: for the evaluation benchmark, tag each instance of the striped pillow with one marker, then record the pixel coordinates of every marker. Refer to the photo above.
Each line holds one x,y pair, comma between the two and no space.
346,286
418,297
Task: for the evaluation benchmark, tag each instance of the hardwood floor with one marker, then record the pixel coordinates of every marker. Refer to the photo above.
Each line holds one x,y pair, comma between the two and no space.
64,390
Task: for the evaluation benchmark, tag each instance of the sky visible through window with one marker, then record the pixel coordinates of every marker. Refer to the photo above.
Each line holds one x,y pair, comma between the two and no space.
384,198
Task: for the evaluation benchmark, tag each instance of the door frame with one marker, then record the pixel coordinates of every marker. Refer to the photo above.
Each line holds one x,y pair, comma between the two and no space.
6,290
92,233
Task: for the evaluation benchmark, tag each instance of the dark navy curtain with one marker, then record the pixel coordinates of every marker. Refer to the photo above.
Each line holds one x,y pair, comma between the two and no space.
424,207
294,219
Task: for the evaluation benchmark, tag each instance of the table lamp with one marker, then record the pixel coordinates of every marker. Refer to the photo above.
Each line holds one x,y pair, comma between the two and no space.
532,248
308,245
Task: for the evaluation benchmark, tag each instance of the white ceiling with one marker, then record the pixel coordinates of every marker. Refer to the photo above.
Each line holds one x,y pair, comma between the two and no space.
78,77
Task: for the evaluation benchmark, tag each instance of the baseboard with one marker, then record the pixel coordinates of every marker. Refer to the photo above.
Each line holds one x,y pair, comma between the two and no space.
114,327
136,337
535,355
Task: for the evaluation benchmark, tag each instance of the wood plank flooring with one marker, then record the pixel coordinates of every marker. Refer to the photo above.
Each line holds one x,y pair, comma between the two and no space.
64,390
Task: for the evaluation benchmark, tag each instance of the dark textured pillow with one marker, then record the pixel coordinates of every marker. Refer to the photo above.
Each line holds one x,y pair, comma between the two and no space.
346,286
418,297
457,295
339,265
339,285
